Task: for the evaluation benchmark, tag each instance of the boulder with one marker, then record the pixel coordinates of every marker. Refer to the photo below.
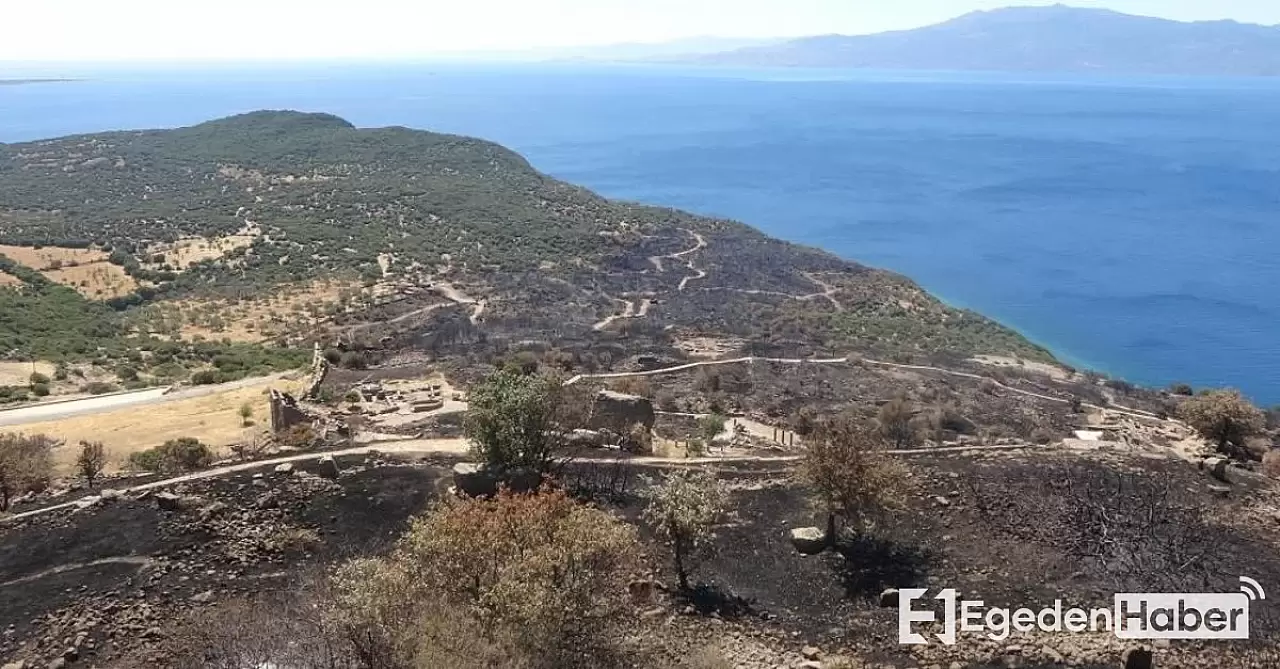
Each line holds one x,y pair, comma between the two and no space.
284,469
473,481
170,502
585,438
1137,657
889,598
811,653
107,494
328,468
1217,467
618,412
809,540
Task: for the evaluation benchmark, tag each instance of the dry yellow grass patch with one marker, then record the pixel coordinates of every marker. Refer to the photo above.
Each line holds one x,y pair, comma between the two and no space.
281,310
48,257
97,281
184,253
213,419
19,373
9,280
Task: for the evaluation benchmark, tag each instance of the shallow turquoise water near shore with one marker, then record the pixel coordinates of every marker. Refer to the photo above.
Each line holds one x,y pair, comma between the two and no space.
1128,224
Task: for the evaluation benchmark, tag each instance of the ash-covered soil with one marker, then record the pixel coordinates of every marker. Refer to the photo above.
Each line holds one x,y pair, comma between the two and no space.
106,586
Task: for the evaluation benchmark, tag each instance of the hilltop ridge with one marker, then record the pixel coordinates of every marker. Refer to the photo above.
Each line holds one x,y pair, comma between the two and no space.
1045,39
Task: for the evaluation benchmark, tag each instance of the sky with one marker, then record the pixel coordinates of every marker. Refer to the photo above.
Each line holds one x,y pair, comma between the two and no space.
158,30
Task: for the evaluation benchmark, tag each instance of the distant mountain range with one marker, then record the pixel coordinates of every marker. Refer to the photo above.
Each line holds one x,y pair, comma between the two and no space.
1048,39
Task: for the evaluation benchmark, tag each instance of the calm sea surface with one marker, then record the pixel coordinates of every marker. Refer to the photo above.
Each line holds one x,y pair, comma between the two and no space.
1131,225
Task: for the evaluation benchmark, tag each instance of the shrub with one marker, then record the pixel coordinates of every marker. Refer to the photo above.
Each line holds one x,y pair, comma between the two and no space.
127,373
354,360
1223,417
1182,389
246,414
634,385
91,461
538,575
894,422
26,465
683,511
207,377
99,388
299,436
38,379
40,389
174,456
710,426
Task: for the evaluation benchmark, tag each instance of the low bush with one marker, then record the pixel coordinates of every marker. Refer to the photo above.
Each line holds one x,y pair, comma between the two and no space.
173,457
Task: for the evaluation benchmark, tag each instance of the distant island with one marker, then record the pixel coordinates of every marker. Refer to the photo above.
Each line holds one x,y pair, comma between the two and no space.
19,82
1038,39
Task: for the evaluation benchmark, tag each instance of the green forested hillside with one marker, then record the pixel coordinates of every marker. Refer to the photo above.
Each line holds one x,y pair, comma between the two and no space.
392,209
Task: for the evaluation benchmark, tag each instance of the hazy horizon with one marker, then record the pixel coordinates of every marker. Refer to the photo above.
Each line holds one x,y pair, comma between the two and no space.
151,31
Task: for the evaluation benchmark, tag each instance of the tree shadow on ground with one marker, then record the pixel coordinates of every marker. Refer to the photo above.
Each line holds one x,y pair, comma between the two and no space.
707,599
871,564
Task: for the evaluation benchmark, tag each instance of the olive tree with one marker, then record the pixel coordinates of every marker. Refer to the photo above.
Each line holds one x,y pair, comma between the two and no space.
683,510
518,421
851,475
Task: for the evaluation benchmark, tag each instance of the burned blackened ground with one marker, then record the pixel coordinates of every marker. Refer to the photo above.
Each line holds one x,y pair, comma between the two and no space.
111,580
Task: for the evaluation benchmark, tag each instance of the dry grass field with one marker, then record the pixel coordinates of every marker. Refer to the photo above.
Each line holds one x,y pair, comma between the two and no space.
19,373
184,253
9,280
48,257
97,281
213,419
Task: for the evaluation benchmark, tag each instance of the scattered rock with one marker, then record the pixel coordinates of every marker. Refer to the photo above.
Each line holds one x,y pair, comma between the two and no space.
811,653
168,501
809,540
1217,467
328,468
284,469
889,598
203,598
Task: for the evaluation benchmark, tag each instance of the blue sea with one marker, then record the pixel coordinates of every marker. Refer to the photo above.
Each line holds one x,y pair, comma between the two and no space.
1130,225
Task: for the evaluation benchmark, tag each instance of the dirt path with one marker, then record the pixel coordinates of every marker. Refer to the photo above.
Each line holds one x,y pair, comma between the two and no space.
699,243
828,291
138,561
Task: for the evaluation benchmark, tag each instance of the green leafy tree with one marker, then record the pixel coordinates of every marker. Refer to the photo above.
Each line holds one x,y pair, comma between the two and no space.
710,426
683,511
513,421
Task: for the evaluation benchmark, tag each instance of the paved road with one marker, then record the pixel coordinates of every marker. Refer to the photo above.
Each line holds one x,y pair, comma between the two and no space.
60,409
